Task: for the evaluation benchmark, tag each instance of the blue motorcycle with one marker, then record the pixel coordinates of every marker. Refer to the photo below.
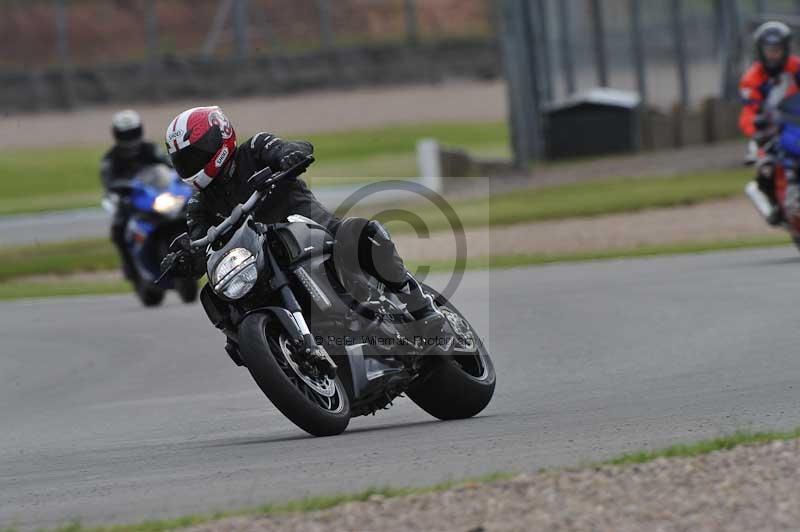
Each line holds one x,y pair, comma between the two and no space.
156,199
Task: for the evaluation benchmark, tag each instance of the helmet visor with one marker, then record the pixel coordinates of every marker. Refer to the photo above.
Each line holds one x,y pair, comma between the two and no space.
190,160
128,135
774,54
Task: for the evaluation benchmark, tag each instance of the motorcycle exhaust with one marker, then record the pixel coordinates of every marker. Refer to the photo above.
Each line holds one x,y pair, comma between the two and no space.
366,370
759,199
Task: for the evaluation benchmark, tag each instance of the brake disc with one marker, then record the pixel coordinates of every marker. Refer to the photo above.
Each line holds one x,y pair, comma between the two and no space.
321,384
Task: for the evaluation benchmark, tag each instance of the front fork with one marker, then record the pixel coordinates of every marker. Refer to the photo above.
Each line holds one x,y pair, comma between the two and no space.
768,190
280,284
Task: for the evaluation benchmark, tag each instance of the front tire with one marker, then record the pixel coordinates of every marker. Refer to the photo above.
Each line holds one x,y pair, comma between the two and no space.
149,294
262,355
460,385
187,290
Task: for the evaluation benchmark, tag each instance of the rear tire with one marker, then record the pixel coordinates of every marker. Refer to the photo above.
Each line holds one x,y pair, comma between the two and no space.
260,354
187,290
458,386
149,294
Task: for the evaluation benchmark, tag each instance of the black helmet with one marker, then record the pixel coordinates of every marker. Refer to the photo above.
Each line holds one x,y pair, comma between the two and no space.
126,126
774,35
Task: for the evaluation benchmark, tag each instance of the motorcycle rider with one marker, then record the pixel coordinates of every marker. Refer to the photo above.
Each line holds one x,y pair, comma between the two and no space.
774,76
129,154
201,143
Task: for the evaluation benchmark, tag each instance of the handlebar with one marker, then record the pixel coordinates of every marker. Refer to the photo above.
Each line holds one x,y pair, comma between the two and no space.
242,210
120,186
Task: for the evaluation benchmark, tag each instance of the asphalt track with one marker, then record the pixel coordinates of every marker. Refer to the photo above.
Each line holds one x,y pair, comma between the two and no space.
113,413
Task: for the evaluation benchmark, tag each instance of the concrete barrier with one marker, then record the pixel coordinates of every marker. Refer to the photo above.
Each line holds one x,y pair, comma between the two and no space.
714,121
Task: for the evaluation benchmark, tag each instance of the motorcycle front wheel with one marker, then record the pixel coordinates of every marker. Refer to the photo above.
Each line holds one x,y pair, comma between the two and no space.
149,294
187,290
319,406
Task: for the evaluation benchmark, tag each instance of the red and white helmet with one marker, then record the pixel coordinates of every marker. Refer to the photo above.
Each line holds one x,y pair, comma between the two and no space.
201,142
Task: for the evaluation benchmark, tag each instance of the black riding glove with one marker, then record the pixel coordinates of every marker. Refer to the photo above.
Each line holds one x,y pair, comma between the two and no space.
763,137
292,158
259,180
179,264
766,130
761,122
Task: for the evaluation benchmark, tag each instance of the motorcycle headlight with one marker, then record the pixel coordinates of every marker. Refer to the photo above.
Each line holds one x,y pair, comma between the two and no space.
168,203
236,274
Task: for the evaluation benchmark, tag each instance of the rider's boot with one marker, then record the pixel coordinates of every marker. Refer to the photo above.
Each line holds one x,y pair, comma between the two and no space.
766,185
775,217
429,323
765,178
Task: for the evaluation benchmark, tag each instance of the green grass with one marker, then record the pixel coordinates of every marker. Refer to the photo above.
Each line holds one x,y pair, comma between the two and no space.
99,255
500,262
579,200
557,202
722,443
310,504
582,199
313,504
393,140
26,289
360,157
65,178
17,284
57,258
48,179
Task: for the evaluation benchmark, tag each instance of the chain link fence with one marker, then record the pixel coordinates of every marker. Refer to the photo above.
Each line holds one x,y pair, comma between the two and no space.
59,53
42,33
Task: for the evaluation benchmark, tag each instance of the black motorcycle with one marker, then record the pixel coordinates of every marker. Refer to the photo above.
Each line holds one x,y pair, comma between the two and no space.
270,286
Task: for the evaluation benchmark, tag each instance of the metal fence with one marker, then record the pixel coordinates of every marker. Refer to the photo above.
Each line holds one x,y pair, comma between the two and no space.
671,52
40,33
62,53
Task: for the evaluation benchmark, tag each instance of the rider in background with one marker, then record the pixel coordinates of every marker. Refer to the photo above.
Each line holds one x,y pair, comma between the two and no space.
129,154
774,76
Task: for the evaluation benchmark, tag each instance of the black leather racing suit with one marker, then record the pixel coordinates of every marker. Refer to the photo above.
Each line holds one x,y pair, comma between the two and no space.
208,207
120,165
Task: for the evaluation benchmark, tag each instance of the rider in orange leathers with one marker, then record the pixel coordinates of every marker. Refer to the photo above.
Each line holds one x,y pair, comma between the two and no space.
774,76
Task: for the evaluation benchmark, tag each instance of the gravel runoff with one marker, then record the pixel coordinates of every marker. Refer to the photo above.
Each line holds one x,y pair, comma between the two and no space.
748,488
719,220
